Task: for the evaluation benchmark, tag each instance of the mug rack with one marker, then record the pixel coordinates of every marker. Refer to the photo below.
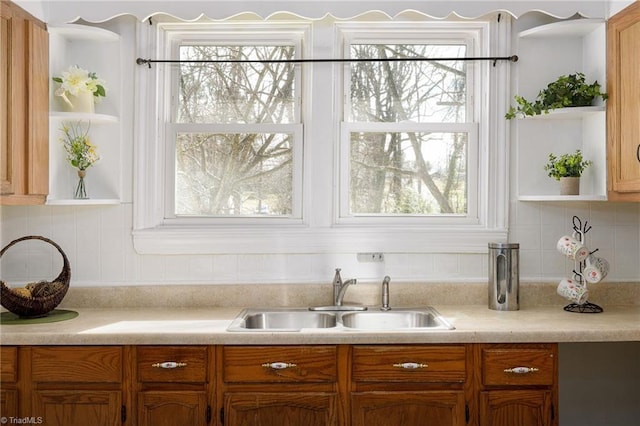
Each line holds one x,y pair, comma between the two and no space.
580,230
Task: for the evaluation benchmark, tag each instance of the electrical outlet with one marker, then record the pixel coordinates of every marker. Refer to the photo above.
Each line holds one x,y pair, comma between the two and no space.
370,257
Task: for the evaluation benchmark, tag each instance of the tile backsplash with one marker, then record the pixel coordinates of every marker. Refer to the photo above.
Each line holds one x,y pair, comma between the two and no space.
97,240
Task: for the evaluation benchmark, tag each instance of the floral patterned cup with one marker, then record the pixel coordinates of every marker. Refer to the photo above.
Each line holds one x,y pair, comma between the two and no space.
572,248
596,269
573,291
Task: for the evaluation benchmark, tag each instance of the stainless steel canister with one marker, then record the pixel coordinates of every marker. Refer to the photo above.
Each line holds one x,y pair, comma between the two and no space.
504,276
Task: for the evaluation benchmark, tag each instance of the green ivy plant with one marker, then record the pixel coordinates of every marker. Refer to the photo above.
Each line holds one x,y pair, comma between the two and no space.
567,165
567,91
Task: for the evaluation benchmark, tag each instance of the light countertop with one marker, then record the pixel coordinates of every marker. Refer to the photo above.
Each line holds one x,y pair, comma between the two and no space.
186,326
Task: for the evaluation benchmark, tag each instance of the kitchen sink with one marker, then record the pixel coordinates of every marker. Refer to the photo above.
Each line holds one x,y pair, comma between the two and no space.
395,320
297,319
285,319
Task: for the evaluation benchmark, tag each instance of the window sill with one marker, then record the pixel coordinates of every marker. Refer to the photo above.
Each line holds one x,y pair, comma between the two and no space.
298,240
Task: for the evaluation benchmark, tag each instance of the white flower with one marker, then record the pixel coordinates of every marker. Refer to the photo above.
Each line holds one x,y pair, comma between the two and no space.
78,80
75,80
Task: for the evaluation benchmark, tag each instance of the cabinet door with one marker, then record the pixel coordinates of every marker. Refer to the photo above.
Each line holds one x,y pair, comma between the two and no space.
6,148
433,408
281,409
623,106
24,91
516,407
78,407
8,378
172,408
8,403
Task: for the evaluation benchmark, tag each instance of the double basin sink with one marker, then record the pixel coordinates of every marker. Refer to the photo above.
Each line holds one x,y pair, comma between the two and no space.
373,319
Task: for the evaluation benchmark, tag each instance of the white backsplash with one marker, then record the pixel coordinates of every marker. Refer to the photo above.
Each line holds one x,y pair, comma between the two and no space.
97,240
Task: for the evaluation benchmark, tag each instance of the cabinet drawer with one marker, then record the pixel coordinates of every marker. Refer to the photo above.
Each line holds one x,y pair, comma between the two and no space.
186,364
280,364
445,364
94,364
515,366
8,364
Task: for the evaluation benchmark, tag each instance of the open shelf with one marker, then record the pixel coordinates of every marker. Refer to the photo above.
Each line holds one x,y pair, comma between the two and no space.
567,113
96,50
569,28
83,116
562,198
547,52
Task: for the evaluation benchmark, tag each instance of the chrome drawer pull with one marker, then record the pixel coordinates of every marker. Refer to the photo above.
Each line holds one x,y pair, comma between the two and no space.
521,370
169,364
410,365
279,365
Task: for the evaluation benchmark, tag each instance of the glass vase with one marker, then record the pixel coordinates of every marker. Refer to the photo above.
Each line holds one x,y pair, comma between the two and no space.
81,190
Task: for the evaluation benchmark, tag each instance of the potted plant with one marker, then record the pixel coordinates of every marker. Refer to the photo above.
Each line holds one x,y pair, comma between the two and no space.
79,89
567,91
567,169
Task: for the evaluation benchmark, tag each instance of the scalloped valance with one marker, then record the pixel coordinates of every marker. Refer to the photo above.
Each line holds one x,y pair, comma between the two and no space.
65,11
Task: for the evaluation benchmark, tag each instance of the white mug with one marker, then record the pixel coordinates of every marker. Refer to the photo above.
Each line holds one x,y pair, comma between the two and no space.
596,269
573,291
572,248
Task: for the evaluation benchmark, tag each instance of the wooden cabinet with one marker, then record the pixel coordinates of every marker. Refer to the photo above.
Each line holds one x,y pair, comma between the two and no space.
279,385
8,379
413,385
310,385
173,385
518,385
77,385
24,107
623,106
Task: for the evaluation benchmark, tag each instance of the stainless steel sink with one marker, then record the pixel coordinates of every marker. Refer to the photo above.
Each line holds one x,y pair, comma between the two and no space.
400,319
297,319
285,319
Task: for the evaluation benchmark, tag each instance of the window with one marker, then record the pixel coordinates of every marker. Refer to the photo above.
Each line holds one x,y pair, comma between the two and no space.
410,139
233,127
261,155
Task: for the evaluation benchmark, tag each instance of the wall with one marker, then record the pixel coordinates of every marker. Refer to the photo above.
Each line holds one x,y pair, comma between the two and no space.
98,242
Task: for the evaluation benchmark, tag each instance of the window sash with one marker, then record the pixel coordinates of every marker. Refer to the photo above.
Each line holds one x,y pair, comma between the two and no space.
473,215
433,33
171,132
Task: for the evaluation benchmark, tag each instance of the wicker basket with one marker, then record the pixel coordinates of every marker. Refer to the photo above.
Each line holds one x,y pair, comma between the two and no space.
47,296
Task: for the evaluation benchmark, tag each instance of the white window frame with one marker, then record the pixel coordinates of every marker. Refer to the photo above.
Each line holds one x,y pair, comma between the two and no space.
176,35
321,229
385,33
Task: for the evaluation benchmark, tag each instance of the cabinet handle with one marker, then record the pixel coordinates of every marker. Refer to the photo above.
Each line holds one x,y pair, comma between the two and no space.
279,365
521,370
638,153
169,364
410,365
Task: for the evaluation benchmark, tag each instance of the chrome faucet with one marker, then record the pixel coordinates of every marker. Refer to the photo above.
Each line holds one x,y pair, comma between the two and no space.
340,287
385,294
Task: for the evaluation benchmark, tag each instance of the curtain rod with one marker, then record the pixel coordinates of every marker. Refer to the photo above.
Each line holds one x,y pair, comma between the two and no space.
141,61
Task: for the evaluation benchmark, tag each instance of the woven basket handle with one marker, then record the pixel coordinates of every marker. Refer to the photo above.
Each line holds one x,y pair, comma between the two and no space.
65,274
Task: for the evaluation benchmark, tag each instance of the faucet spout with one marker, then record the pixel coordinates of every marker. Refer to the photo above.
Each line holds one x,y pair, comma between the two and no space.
343,290
340,287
